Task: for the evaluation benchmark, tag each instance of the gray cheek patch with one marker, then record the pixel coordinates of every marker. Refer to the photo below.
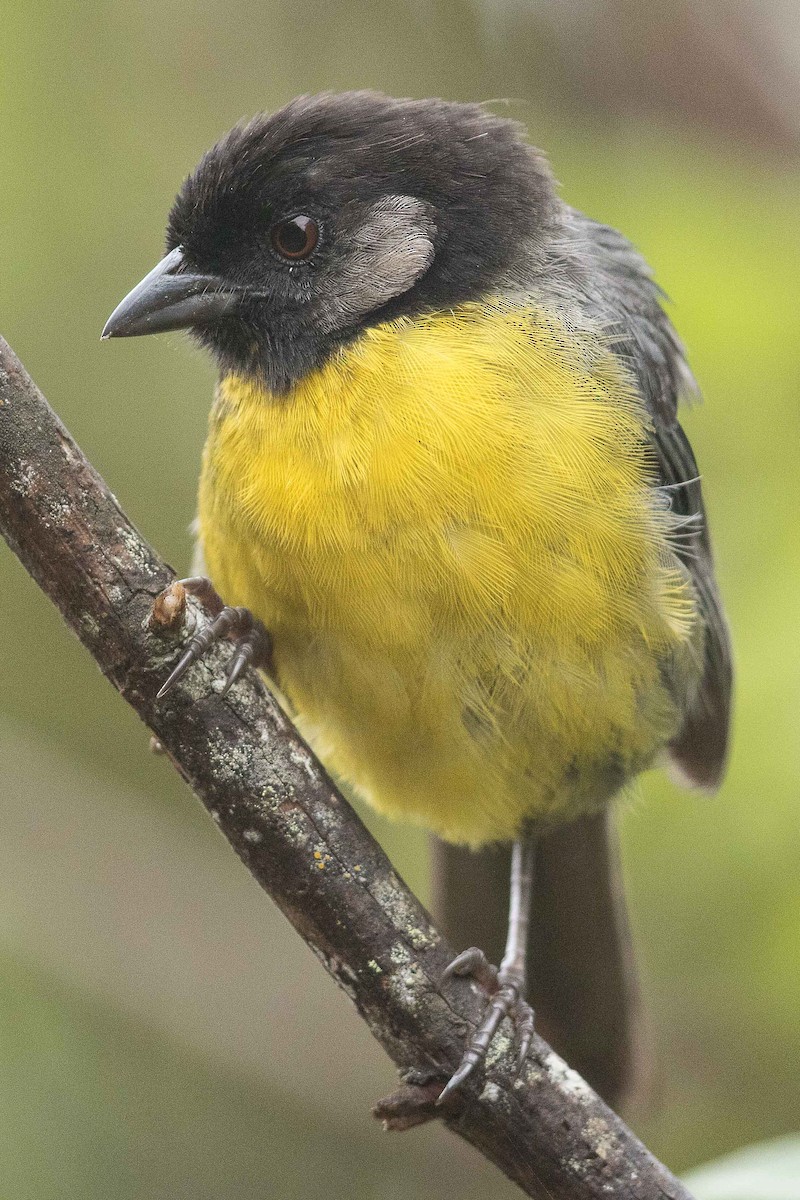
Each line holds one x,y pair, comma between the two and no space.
380,259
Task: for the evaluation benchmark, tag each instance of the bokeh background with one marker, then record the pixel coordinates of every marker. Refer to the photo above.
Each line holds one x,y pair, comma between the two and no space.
163,1031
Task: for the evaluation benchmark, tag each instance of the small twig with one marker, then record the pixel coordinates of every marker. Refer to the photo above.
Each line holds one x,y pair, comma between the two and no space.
413,1104
293,830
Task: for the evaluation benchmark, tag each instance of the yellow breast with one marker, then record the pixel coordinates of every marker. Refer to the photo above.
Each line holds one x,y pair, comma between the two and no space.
450,532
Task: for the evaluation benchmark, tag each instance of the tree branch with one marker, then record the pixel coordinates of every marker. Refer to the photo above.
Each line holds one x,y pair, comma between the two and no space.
297,835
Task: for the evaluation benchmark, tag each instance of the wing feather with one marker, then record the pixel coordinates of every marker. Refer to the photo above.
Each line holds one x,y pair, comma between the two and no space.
618,292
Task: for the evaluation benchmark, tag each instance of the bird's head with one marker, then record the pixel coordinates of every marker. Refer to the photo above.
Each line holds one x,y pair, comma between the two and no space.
299,229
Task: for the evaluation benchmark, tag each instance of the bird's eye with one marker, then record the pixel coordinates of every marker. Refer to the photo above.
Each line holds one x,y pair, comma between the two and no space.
295,238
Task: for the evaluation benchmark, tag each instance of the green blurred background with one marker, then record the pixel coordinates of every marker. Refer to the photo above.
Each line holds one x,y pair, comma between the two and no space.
163,1031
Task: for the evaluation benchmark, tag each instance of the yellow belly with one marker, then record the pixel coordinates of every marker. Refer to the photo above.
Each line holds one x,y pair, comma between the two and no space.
450,532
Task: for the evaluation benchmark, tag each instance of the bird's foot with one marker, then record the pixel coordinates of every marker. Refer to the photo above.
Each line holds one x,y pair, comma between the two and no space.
504,989
252,642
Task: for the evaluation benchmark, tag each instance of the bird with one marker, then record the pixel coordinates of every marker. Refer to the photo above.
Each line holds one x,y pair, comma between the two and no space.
447,505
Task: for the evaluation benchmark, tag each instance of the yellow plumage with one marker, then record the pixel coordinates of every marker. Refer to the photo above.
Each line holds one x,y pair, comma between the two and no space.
451,533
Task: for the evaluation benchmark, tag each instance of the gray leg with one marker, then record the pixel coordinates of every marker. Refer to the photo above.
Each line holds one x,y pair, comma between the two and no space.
514,964
505,988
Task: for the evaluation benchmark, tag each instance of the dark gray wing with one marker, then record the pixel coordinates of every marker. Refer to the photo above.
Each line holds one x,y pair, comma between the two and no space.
618,291
700,750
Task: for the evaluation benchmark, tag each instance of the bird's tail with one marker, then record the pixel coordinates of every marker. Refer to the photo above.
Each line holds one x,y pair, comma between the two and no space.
583,984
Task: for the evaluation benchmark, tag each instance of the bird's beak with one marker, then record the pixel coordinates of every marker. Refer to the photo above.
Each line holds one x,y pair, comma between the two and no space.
170,297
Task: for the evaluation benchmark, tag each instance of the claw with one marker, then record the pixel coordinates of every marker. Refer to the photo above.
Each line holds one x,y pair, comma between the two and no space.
253,643
184,662
504,989
455,1081
238,663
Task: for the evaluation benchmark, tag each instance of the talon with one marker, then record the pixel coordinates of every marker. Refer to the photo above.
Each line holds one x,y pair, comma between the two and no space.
455,1081
504,990
238,663
253,643
184,662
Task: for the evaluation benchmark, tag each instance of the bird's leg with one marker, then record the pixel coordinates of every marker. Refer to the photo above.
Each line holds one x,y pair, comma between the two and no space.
505,988
252,641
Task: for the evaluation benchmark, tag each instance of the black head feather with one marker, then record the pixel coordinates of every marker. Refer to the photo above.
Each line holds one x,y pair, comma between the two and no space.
421,204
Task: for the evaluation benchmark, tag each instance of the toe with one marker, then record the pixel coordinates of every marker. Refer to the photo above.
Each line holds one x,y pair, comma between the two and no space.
500,1005
504,991
523,1018
238,662
203,589
473,964
253,643
180,669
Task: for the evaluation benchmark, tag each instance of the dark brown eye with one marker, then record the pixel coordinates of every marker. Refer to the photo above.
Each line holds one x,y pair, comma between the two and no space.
295,238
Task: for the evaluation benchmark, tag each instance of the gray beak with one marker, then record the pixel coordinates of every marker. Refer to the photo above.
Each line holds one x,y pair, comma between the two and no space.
170,297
